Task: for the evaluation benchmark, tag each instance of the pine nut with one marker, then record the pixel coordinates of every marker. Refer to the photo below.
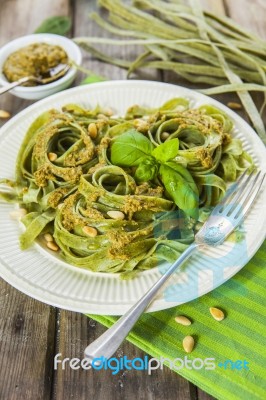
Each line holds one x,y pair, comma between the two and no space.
90,231
52,246
181,319
188,344
165,135
60,205
18,214
116,214
52,156
217,313
102,116
4,114
108,112
48,237
234,106
92,129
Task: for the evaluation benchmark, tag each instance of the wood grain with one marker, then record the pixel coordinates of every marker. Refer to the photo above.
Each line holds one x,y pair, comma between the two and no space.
216,7
249,14
27,330
19,18
76,331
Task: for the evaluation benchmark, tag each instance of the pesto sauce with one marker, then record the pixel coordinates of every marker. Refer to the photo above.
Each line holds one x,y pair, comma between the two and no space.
33,60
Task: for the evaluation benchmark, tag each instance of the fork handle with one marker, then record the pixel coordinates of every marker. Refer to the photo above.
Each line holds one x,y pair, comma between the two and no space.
10,86
107,344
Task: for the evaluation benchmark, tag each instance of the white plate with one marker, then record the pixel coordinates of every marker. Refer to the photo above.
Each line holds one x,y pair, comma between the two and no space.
41,275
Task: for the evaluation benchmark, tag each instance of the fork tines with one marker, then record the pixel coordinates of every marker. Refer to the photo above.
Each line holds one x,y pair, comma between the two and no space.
241,194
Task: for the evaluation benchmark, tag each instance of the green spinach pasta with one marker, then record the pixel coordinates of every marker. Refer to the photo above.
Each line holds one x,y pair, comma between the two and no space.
120,194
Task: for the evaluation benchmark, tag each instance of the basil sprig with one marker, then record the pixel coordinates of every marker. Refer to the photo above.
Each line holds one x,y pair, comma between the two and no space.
133,149
181,187
147,170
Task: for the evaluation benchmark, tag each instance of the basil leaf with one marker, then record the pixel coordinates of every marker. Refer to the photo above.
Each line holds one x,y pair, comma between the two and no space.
180,169
129,149
59,25
166,151
180,190
92,79
147,170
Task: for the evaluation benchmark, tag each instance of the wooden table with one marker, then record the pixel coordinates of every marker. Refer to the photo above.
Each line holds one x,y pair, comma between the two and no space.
31,332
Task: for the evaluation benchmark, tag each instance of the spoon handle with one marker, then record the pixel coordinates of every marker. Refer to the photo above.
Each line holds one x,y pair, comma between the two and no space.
110,340
10,86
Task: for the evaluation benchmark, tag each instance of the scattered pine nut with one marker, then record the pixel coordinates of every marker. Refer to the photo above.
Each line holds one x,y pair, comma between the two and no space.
188,344
92,129
18,214
141,125
234,106
217,313
52,246
165,135
4,114
102,116
52,156
60,206
90,231
116,214
181,319
48,237
108,112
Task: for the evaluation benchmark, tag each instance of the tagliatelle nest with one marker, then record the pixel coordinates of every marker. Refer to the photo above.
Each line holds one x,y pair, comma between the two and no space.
140,194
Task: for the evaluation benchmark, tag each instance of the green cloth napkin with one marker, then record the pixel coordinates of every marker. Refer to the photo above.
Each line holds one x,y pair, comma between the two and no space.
240,336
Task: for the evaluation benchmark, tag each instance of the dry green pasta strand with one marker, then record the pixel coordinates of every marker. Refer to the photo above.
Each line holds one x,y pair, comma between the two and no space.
234,87
234,79
192,34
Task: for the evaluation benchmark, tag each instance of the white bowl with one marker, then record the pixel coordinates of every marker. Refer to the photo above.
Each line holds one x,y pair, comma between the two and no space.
39,92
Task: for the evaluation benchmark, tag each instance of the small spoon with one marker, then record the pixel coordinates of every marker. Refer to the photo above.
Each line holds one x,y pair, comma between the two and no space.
55,73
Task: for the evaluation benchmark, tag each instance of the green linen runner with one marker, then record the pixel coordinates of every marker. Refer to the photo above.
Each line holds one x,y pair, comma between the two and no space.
240,336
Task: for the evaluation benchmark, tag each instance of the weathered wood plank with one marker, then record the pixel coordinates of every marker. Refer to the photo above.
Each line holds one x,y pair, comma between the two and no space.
249,14
27,330
19,18
76,331
214,6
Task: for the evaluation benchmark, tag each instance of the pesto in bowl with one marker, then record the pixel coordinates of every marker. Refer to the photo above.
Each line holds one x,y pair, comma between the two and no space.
36,60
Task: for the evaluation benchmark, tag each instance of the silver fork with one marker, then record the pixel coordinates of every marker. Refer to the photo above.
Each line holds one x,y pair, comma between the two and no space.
55,73
225,217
